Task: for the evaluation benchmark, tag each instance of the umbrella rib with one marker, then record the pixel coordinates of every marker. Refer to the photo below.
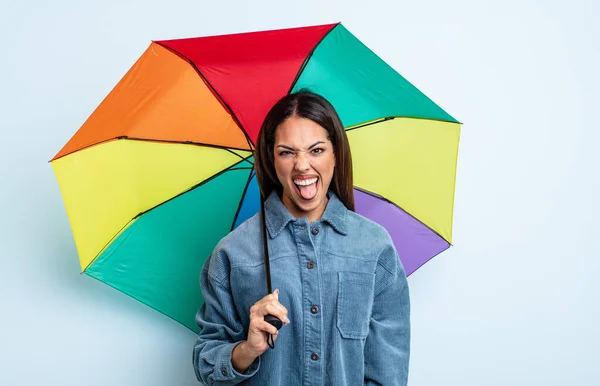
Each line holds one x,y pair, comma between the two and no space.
379,120
245,159
305,63
228,148
230,168
399,207
237,212
139,300
426,261
213,90
109,242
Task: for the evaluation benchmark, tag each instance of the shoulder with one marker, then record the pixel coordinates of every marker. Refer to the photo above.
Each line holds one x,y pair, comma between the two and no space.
242,243
247,233
362,227
373,235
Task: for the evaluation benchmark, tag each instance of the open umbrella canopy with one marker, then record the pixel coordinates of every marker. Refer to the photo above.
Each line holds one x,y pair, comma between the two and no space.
163,168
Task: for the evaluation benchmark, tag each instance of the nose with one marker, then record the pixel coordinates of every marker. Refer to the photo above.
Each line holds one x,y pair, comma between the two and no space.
301,164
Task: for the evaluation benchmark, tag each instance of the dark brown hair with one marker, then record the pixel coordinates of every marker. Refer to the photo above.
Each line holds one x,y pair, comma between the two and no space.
305,104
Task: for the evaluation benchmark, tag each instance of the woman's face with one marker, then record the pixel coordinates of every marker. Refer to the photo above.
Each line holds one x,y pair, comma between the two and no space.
304,162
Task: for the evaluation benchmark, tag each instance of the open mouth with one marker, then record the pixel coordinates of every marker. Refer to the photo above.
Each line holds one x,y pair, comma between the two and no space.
307,187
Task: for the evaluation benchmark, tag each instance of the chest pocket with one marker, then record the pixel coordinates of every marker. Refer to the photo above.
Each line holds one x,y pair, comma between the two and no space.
355,302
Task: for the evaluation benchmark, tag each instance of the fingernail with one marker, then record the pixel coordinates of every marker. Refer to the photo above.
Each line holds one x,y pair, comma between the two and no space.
276,291
286,321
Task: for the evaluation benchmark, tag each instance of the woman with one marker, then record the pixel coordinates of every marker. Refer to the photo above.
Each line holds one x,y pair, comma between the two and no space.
341,290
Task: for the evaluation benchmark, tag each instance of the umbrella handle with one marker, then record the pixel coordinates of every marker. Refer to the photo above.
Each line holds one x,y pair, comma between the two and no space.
274,321
271,319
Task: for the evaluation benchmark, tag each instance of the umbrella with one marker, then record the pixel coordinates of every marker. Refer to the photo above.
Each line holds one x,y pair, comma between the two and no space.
163,168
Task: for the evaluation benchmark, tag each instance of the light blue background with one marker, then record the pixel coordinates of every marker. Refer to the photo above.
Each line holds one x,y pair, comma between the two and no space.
514,302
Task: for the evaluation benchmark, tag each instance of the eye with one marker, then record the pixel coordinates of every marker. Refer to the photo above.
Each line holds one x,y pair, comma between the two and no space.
285,152
318,150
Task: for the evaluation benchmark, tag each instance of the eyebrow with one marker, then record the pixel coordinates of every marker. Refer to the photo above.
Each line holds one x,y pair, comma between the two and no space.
310,147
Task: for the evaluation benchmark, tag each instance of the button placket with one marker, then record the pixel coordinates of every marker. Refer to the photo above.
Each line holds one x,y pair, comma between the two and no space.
308,248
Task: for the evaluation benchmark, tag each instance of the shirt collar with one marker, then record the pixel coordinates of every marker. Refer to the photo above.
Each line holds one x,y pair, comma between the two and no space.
336,214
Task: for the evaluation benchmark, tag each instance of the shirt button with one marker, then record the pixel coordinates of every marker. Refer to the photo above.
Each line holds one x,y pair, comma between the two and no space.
315,231
314,309
224,371
310,265
314,356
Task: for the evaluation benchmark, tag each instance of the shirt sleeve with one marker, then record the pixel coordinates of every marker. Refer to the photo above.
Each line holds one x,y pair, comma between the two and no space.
387,347
220,331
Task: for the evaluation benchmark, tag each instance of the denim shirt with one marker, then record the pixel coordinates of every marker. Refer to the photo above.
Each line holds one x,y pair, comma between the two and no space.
343,285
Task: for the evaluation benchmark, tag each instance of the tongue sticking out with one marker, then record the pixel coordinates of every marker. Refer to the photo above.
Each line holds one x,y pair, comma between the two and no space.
308,192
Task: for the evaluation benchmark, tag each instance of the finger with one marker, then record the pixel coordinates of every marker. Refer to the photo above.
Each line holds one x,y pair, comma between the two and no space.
281,310
259,316
270,301
257,307
267,299
261,326
277,310
270,305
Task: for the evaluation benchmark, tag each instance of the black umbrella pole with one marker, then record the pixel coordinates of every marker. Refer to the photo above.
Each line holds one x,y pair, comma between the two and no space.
271,319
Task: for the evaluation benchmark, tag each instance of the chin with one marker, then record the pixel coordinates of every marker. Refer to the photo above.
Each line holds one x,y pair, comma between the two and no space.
307,208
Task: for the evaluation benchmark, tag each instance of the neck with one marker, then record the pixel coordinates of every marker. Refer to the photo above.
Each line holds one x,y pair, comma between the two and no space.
312,215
